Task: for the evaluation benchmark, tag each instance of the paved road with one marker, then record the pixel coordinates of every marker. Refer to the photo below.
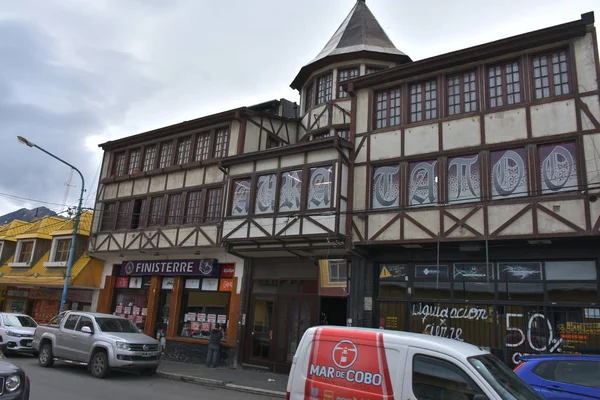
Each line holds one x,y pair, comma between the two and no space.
68,382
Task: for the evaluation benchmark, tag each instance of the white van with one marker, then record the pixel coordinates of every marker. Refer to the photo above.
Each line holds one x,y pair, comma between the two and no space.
338,363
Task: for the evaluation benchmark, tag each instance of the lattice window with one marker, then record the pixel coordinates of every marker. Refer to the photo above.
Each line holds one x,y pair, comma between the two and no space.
134,160
504,84
25,252
372,70
155,216
193,209
174,209
387,108
166,154
343,133
149,158
184,150
119,164
551,74
221,142
213,205
324,88
344,75
462,93
109,216
423,101
62,250
310,96
202,146
124,215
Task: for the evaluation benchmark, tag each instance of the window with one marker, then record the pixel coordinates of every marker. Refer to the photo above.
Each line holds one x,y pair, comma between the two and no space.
309,98
124,215
504,84
174,208
213,205
71,322
166,154
324,88
221,142
272,143
139,215
570,270
119,164
551,74
319,188
502,379
193,210
578,372
155,217
202,146
85,321
134,161
149,158
184,149
62,249
387,109
25,251
344,75
198,307
109,216
343,133
372,70
338,271
423,101
462,93
434,378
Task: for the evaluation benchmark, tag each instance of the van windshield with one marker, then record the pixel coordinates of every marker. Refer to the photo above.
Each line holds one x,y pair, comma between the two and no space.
508,385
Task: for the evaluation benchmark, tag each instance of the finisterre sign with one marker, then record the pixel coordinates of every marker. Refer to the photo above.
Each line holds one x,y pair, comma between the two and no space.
200,267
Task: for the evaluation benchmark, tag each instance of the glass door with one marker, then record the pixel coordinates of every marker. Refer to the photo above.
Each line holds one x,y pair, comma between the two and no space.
261,328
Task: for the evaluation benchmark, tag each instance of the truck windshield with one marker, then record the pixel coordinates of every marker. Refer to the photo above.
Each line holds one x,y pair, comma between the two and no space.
508,385
116,325
20,321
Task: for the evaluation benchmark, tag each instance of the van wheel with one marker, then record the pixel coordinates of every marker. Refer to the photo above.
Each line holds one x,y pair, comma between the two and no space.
148,371
46,358
99,365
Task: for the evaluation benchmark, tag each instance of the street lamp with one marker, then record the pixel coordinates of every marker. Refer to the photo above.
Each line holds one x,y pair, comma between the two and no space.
71,260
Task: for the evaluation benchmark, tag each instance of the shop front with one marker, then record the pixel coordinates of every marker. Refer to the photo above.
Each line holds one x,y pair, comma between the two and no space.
177,301
43,303
510,305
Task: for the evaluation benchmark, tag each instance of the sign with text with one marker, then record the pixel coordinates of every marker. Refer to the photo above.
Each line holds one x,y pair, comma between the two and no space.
473,272
226,285
227,270
392,272
200,267
432,272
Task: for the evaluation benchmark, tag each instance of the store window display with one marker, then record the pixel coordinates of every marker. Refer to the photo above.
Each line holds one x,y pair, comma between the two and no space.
131,299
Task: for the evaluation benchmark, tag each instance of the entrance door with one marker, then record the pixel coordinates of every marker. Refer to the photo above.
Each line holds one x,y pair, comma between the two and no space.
261,329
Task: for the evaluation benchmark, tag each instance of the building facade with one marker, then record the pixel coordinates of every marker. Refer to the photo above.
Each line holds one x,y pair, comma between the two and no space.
455,195
33,261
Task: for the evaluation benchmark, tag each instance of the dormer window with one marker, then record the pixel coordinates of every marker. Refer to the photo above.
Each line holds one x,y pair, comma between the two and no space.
60,250
25,252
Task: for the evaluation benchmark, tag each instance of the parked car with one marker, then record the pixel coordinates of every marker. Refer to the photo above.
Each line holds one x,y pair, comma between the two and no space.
562,376
16,331
355,363
15,384
100,341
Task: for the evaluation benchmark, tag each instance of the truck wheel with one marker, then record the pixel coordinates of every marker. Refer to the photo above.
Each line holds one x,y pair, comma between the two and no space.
99,365
46,358
148,371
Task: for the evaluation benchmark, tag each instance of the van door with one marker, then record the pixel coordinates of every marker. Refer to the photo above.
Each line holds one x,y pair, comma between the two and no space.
432,376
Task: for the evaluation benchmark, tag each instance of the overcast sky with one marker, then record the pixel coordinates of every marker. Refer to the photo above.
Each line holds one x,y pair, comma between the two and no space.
74,74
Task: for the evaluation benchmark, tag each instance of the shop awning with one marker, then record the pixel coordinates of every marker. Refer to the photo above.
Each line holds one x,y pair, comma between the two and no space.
86,273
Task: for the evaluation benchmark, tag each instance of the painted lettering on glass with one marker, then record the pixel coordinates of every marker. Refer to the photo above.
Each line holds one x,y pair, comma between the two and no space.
290,192
440,315
422,185
319,188
265,194
464,179
509,173
558,168
535,339
241,197
386,187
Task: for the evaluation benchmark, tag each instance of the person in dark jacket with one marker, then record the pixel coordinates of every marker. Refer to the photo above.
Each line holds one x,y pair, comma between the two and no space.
214,346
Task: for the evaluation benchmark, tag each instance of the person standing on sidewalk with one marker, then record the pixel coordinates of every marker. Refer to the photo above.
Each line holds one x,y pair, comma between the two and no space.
214,346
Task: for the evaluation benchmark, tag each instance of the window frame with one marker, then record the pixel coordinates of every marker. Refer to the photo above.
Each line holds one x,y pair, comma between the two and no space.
218,208
134,162
422,86
176,207
342,94
504,85
309,95
168,160
461,94
119,164
557,377
551,87
387,119
19,250
105,218
124,215
54,249
322,97
152,151
184,155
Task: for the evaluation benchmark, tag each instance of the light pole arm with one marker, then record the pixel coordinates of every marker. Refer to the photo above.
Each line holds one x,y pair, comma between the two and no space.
75,229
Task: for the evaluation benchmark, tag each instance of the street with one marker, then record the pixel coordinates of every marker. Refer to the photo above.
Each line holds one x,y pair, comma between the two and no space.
68,382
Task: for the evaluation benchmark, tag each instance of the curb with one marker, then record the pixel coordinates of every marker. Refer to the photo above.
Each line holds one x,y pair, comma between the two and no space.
219,384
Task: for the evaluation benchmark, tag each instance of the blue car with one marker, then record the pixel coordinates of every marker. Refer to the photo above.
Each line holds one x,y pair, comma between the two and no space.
563,376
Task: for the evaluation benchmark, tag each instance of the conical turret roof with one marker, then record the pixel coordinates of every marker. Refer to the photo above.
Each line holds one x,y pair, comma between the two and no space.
360,34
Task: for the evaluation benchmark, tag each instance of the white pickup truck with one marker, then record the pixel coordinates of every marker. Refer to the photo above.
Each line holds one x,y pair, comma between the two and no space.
100,341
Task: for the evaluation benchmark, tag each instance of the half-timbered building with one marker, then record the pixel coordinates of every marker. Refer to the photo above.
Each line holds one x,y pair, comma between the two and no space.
455,195
475,193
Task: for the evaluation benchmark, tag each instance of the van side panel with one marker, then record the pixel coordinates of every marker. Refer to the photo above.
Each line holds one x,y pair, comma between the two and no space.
296,385
342,367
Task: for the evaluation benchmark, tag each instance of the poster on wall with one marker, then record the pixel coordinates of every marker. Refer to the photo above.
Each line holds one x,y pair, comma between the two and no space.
210,284
423,183
119,309
168,282
135,282
201,317
464,179
386,187
127,310
222,319
144,311
135,310
432,272
192,283
520,271
558,167
122,282
478,272
509,173
212,318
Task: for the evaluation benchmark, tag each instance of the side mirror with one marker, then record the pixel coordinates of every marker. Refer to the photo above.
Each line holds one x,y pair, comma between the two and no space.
480,397
86,329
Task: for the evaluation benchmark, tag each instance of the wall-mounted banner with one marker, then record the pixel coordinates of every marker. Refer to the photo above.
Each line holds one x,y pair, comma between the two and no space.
473,272
432,272
200,267
520,271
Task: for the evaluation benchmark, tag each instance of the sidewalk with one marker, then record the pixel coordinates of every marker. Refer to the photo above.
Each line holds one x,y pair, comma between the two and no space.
243,380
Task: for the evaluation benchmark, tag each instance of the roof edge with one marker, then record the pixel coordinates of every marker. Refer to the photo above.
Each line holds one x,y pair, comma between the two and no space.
487,50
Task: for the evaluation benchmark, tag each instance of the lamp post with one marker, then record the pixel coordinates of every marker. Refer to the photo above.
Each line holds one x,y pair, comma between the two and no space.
71,260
